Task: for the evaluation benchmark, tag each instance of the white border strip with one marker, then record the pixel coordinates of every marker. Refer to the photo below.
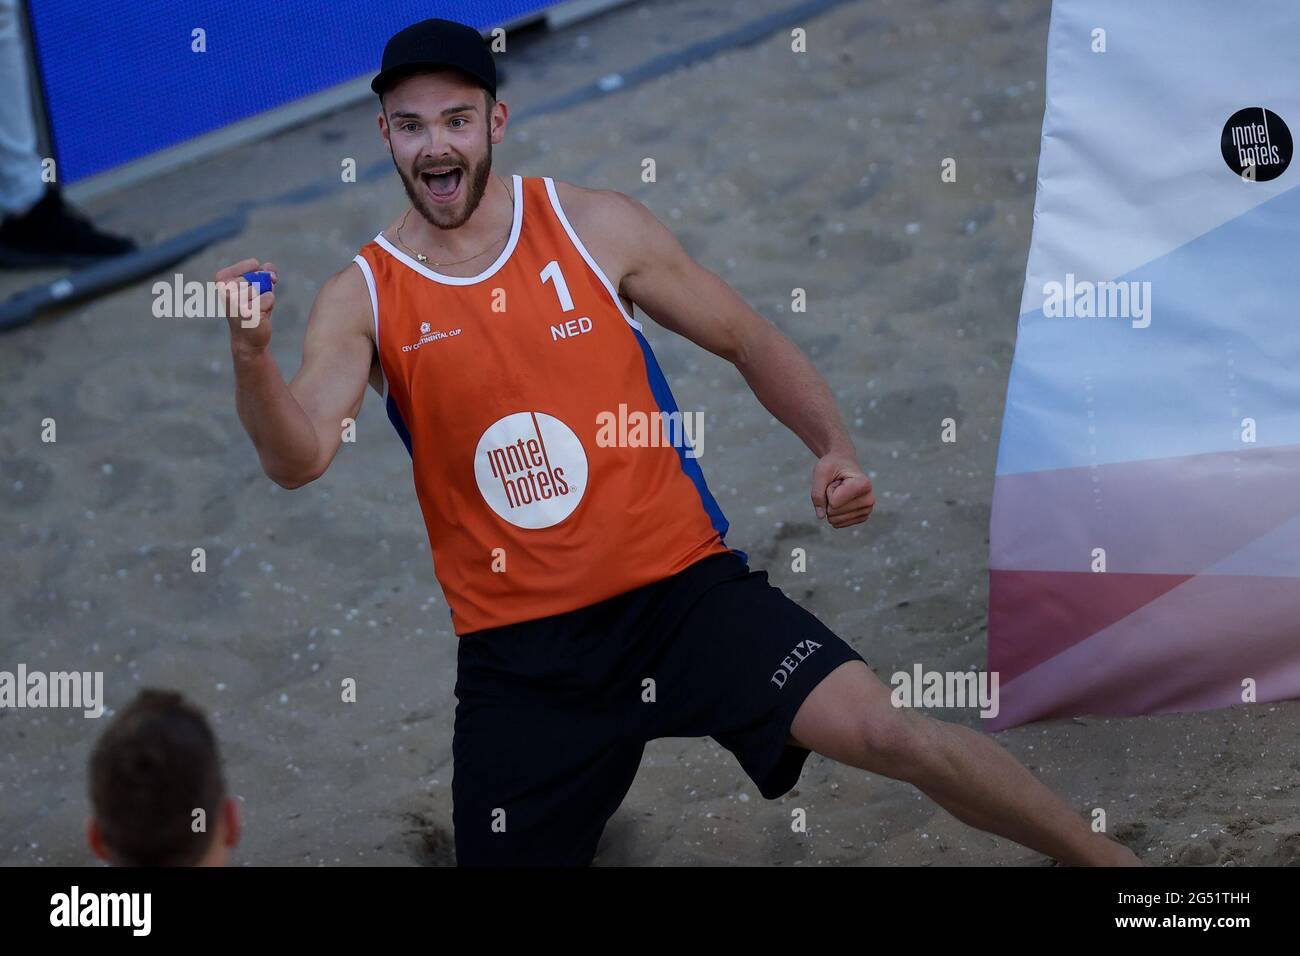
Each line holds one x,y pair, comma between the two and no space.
577,244
564,14
374,309
222,139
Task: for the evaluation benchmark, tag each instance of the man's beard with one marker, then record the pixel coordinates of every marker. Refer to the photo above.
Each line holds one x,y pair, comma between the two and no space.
445,217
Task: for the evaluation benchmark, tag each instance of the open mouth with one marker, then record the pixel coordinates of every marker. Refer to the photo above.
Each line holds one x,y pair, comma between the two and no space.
443,183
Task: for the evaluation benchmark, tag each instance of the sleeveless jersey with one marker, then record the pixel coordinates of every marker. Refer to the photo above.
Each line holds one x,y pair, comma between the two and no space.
549,458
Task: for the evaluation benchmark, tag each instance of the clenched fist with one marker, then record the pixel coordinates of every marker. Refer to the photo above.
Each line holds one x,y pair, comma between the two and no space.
247,313
841,491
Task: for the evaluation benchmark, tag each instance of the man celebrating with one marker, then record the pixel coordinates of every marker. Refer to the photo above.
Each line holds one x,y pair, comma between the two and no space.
595,602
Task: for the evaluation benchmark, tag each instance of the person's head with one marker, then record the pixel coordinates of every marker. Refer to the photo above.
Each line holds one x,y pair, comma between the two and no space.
153,769
440,128
439,117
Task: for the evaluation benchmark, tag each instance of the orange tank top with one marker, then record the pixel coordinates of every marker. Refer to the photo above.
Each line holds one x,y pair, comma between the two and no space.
551,463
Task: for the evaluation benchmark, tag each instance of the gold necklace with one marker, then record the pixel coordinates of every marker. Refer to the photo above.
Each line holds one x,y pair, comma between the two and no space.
421,257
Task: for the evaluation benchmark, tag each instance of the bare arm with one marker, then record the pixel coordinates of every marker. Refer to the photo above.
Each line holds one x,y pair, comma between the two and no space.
683,296
297,428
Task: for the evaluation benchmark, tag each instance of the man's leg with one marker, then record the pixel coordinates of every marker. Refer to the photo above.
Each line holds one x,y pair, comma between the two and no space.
849,718
20,166
519,799
37,228
542,754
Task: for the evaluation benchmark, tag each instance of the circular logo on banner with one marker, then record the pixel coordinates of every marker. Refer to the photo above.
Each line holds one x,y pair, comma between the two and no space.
531,469
1256,144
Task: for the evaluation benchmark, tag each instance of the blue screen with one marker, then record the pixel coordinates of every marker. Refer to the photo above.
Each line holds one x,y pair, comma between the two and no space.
121,79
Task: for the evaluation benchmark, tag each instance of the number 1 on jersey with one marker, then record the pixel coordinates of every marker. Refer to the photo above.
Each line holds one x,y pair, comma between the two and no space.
552,273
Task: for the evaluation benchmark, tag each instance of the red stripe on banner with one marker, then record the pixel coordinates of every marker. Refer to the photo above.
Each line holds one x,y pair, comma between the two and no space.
1038,614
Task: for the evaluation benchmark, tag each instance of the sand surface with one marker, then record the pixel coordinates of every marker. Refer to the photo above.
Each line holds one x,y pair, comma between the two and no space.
777,170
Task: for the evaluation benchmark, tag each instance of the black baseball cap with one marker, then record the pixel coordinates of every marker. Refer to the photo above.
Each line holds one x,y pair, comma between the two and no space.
435,44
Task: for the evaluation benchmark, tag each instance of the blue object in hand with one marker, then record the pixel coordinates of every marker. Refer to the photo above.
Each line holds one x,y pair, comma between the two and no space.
260,279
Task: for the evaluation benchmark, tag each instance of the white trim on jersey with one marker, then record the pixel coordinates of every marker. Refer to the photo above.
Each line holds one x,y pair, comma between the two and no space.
515,228
582,250
374,311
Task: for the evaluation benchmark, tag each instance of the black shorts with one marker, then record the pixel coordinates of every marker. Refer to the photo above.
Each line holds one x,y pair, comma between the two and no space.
552,715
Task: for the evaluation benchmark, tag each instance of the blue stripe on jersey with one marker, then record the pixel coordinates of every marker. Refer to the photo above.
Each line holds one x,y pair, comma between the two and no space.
663,396
395,416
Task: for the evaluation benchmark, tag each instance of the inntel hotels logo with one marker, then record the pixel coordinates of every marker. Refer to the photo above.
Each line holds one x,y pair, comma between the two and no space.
531,469
1256,144
1075,299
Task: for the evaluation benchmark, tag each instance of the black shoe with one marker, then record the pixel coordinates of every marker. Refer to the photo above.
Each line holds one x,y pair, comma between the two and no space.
52,233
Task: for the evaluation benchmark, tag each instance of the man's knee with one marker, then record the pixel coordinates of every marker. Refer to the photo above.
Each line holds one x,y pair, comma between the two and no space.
891,740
